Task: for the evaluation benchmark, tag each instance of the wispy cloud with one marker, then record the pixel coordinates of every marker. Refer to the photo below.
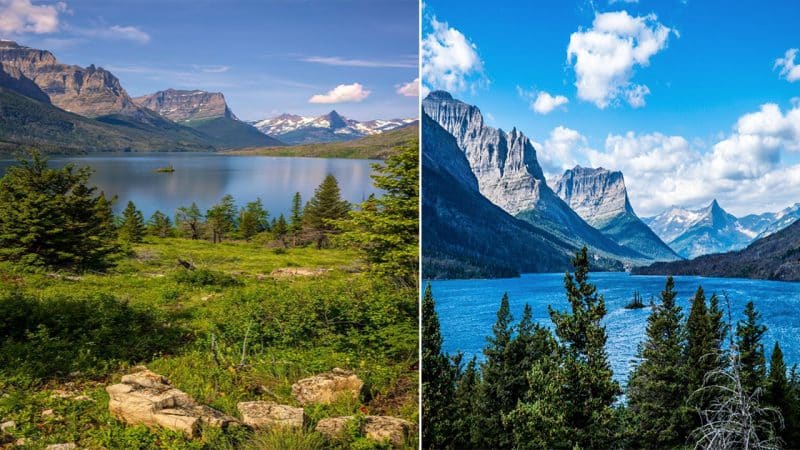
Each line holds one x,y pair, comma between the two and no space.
347,62
211,69
116,32
789,69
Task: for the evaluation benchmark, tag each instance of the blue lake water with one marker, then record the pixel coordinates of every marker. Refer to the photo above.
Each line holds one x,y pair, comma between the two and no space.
467,309
206,177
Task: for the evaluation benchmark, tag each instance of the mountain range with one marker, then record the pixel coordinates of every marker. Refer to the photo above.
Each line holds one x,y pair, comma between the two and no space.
331,127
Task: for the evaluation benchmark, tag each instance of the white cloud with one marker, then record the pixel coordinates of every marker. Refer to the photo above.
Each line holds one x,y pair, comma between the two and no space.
211,69
605,55
349,62
410,89
559,151
546,103
789,69
342,93
116,32
21,16
450,61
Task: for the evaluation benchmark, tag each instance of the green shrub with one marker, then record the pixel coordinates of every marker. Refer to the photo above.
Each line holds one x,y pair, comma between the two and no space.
205,277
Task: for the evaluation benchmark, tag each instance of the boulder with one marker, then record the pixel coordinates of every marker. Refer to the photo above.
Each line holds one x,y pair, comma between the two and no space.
68,446
327,387
8,426
377,428
147,398
261,414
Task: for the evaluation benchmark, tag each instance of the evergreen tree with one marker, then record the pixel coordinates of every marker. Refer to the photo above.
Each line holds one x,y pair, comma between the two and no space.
780,396
719,326
387,228
748,340
253,219
296,219
496,396
466,426
132,227
159,225
438,377
657,388
221,218
280,228
53,218
190,220
324,209
703,355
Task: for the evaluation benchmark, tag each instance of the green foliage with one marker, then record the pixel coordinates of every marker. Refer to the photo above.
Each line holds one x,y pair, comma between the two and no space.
296,219
221,218
159,225
280,228
52,218
323,210
780,395
284,438
189,220
132,227
253,219
205,277
751,350
387,228
657,389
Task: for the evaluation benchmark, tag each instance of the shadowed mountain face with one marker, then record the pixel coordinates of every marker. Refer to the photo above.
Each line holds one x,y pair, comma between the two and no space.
464,235
599,196
775,257
509,175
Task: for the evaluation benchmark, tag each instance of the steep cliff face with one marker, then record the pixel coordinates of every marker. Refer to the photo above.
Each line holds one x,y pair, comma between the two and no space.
510,176
88,91
600,197
13,79
183,106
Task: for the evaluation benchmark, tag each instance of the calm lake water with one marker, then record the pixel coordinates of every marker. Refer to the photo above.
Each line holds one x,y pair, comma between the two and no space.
467,309
206,177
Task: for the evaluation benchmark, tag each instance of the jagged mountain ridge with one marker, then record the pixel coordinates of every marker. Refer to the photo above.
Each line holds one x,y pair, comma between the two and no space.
331,127
600,197
464,235
509,175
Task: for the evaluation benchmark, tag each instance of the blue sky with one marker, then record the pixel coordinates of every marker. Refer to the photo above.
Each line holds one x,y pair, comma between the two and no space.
267,57
681,115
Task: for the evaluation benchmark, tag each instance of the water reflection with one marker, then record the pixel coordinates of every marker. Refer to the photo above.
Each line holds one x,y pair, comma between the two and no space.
205,177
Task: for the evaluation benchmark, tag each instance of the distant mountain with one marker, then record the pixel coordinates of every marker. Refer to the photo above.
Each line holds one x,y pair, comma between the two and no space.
697,232
768,223
464,235
775,257
376,146
509,175
332,127
599,196
207,112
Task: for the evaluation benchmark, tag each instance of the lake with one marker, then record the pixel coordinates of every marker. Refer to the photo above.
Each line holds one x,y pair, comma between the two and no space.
206,177
467,309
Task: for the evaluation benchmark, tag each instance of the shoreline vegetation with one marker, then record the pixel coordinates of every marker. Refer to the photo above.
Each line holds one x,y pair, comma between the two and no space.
701,379
230,305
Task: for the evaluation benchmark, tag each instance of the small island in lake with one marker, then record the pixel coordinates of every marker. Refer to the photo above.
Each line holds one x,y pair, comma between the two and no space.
167,169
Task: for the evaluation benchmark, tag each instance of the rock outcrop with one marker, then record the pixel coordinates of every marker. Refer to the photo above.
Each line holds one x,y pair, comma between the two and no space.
328,387
378,428
147,398
259,414
181,106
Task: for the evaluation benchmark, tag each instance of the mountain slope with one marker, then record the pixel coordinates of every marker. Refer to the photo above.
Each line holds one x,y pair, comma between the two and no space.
509,175
464,235
378,146
332,127
600,197
775,257
692,233
207,112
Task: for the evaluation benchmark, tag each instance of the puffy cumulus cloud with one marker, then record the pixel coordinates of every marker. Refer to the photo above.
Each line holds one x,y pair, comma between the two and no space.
410,89
605,55
546,103
21,16
789,69
342,93
560,150
450,61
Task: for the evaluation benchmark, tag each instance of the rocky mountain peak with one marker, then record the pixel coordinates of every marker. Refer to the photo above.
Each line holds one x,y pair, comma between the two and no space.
439,95
596,194
336,120
184,105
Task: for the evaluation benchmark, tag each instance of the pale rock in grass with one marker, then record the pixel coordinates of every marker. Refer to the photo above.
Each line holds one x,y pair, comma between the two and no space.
377,428
260,414
327,387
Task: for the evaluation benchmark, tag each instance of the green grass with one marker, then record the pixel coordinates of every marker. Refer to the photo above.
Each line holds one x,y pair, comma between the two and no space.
379,146
64,332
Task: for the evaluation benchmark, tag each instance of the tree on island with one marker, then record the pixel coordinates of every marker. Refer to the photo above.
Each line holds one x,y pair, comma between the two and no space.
53,218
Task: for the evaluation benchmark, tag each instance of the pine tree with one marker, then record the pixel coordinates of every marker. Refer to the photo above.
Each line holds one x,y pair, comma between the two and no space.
386,228
53,218
657,388
465,427
748,340
190,220
296,219
324,209
132,227
280,228
253,219
703,354
221,218
496,397
779,395
159,225
438,376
